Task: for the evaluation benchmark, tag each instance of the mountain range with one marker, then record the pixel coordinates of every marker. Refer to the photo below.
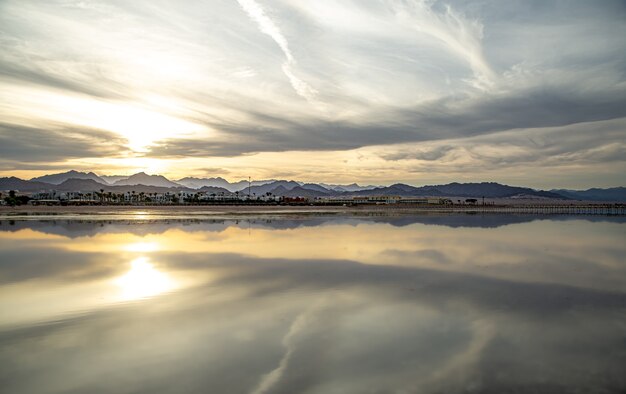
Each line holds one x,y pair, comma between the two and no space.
594,194
57,179
142,182
148,180
197,183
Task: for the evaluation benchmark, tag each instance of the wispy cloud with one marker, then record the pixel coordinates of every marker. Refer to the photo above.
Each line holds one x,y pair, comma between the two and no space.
460,35
267,26
269,380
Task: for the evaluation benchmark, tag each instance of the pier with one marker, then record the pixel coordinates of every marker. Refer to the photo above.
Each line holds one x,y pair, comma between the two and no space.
537,209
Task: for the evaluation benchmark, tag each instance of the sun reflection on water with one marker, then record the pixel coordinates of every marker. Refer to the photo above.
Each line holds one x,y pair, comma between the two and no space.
140,215
142,247
143,281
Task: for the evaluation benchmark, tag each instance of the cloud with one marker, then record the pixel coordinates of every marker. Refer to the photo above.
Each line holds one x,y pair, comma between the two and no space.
460,35
429,154
34,265
217,79
267,26
273,377
583,143
55,76
211,171
538,107
55,143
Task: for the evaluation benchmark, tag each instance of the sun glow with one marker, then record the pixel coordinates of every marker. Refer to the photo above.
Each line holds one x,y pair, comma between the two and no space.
139,123
143,281
142,247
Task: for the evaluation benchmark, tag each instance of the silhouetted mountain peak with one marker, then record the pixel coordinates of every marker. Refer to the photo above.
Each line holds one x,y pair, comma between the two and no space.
57,179
141,178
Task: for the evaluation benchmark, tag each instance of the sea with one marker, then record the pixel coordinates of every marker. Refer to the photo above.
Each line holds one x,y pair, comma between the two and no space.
312,303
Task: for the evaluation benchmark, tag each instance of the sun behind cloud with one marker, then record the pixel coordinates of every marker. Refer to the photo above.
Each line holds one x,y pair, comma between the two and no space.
360,91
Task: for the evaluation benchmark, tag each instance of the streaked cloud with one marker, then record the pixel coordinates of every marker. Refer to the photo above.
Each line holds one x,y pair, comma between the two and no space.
267,26
246,82
461,36
56,142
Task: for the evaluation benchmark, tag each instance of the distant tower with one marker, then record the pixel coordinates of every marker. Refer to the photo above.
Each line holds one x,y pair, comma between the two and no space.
249,185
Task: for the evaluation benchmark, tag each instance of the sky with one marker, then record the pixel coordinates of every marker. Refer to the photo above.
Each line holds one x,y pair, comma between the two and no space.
526,92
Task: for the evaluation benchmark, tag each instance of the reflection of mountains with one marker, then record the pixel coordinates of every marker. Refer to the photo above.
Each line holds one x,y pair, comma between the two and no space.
73,228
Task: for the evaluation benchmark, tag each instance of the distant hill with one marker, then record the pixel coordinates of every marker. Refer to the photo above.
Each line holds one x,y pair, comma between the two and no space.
243,185
88,185
353,187
197,183
214,190
80,185
484,189
57,179
147,180
492,190
315,187
279,191
111,179
595,194
398,189
270,187
300,191
17,184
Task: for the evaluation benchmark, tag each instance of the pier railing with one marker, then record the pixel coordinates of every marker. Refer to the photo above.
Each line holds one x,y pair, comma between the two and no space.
562,209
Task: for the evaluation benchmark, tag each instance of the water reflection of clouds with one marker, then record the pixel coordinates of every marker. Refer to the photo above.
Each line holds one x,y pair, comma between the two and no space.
540,251
412,311
322,325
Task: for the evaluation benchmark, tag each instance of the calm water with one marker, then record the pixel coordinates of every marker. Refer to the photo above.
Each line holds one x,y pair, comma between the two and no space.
317,304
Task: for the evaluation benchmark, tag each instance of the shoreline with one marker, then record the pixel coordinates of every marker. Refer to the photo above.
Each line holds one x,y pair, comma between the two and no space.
235,210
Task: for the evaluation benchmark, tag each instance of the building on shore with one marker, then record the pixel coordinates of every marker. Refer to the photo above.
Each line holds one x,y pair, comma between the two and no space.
377,200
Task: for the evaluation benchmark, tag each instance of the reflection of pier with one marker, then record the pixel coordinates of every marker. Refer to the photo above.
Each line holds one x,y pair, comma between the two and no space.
591,209
538,209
